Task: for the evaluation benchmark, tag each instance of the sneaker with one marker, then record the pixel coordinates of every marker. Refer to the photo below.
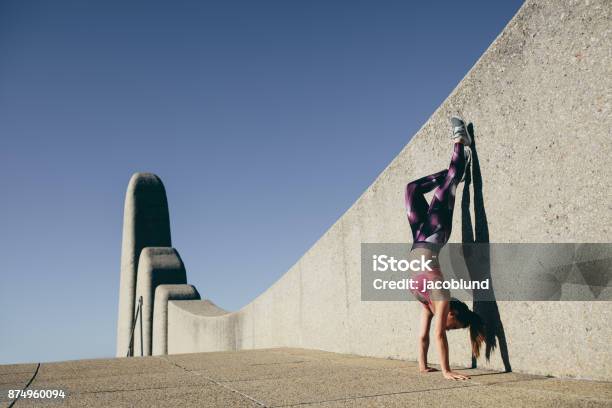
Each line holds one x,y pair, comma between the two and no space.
460,133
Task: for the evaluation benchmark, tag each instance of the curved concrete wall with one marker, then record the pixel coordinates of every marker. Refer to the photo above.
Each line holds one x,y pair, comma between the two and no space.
539,101
199,326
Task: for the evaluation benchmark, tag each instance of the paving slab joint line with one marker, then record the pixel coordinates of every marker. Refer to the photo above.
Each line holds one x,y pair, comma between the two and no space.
289,362
25,388
218,383
128,390
375,395
474,380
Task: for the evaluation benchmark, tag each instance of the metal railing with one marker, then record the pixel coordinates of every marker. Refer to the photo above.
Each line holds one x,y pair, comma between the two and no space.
137,315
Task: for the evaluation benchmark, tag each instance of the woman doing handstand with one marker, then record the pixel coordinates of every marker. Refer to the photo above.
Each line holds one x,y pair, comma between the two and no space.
431,227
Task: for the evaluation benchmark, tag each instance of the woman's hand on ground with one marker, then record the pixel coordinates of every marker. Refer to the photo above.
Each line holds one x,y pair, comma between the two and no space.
427,369
451,375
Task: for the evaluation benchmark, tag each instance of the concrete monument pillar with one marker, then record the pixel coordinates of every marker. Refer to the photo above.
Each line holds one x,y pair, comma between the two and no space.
157,266
146,223
163,294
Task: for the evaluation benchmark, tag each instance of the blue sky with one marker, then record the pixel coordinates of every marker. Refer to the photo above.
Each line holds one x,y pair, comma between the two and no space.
265,119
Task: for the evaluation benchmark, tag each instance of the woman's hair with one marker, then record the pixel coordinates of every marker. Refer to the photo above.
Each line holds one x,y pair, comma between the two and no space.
471,320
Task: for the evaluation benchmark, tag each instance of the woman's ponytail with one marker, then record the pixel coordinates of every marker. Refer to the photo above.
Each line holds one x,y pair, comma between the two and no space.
477,332
474,323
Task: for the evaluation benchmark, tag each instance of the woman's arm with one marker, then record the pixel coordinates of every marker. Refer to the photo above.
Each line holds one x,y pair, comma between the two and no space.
441,308
426,317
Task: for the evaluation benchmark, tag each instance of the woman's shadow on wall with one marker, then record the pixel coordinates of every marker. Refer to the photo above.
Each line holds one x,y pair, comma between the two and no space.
478,264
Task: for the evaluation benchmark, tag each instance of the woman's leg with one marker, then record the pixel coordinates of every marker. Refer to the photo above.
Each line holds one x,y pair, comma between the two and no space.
437,225
416,205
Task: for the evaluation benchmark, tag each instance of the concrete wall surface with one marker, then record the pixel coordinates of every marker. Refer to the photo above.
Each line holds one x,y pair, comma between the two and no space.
539,101
199,325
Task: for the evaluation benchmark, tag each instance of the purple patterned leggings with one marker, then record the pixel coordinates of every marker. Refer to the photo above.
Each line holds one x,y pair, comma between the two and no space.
433,222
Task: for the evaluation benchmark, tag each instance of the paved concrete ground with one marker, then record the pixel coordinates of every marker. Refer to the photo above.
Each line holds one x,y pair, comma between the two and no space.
286,377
